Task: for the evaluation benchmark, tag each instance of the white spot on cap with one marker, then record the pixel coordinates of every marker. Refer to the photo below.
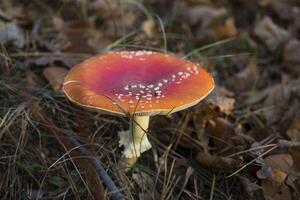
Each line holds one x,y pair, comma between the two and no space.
142,86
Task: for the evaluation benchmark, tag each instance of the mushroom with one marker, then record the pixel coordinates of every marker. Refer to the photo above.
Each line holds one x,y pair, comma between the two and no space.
138,84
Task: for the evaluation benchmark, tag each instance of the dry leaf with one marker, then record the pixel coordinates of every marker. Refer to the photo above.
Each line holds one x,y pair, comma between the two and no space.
208,160
282,162
221,98
276,177
250,187
280,8
222,131
68,60
205,15
245,79
294,131
55,76
227,29
276,189
225,104
77,35
270,33
211,23
291,56
295,152
294,134
280,101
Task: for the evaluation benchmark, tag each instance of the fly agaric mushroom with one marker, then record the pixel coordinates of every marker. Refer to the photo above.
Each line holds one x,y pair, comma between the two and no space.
139,84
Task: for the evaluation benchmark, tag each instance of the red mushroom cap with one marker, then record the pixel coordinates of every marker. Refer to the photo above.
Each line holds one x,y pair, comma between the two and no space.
137,82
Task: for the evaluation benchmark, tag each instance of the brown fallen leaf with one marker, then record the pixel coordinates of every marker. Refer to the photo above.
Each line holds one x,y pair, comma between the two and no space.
294,134
281,162
224,163
204,15
210,23
294,131
55,76
277,177
220,102
275,189
282,9
291,56
67,59
295,152
280,102
227,29
222,99
245,79
77,35
223,132
272,35
251,188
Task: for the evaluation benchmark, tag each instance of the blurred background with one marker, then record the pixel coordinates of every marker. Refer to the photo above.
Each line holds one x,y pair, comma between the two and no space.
242,142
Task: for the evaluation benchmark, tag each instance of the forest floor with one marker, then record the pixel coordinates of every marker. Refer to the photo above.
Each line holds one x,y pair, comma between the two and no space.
241,142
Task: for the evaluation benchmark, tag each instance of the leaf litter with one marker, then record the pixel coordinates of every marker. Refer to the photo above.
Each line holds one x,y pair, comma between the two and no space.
241,142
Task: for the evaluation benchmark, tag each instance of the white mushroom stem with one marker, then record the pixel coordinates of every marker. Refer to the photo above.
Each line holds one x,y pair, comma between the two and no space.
135,140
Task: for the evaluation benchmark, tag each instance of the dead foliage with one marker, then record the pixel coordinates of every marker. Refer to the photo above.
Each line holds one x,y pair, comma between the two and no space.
241,142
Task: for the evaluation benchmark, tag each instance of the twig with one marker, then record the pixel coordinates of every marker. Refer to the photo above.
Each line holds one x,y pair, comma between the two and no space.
102,172
63,140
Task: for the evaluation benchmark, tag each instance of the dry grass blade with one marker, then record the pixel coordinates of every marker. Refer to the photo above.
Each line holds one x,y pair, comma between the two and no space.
93,169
